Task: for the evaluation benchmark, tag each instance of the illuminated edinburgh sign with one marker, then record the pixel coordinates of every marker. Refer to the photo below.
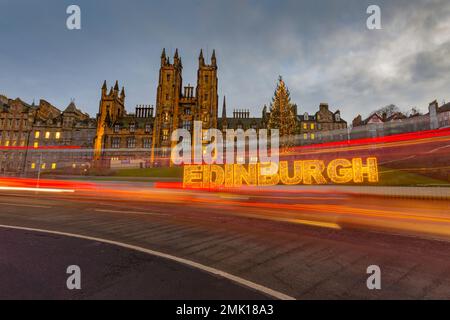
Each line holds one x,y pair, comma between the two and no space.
306,172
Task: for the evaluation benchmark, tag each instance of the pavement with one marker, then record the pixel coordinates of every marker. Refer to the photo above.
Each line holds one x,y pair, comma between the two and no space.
33,265
285,242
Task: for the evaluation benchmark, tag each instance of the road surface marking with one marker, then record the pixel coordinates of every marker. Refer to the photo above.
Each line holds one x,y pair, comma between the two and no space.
36,189
23,205
132,212
223,274
313,223
439,148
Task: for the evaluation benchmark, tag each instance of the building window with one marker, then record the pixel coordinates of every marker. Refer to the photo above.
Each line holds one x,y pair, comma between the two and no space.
168,77
132,127
313,136
148,128
187,125
7,143
131,142
37,134
33,166
116,128
53,166
187,111
206,78
36,145
115,143
146,143
47,135
165,134
305,136
43,166
305,126
338,117
57,135
312,126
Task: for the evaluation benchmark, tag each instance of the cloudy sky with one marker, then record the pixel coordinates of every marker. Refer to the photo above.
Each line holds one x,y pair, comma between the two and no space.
323,50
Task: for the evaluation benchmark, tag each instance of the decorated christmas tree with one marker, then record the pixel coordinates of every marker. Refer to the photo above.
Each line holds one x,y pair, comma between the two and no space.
282,115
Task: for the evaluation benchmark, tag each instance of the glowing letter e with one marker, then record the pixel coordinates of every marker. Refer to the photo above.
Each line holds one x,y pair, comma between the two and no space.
73,22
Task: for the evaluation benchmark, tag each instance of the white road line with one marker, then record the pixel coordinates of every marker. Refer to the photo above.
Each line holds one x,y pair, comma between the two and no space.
23,205
436,149
241,281
132,212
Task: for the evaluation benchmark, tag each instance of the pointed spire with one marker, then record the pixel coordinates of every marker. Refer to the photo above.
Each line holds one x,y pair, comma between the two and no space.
104,85
213,58
163,57
201,59
116,86
122,93
176,54
224,108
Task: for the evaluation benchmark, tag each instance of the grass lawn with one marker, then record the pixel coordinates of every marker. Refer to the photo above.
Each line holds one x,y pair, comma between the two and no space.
173,172
395,177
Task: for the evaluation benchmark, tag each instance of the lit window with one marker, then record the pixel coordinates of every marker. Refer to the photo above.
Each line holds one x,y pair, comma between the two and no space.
36,145
7,143
53,166
312,126
37,134
305,136
33,165
43,166
57,135
165,134
47,135
74,165
313,136
305,126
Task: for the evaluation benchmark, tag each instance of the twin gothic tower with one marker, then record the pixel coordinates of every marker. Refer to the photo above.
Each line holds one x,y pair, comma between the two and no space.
178,106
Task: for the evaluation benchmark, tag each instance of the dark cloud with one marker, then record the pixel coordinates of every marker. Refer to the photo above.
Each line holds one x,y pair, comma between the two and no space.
322,48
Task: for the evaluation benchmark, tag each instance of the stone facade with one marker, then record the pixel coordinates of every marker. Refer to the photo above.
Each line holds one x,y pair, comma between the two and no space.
41,138
122,139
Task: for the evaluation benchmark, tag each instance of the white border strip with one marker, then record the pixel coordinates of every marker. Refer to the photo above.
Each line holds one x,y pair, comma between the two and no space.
241,281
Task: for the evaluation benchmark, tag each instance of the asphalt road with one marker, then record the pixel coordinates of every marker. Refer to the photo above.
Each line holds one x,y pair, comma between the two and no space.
33,265
249,236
